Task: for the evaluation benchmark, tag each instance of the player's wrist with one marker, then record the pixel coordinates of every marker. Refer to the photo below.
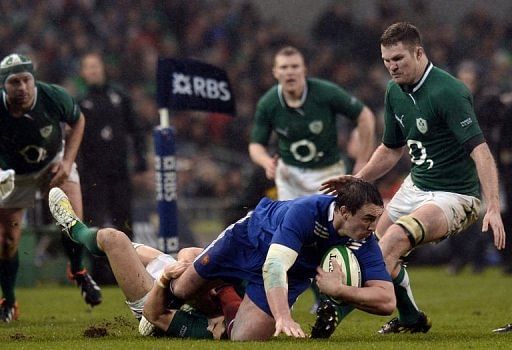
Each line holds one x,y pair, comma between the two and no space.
163,282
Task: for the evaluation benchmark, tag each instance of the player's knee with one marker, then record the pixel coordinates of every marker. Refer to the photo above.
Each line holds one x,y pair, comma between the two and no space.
110,237
414,229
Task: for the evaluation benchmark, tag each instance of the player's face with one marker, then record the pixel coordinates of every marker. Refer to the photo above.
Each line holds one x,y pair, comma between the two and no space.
403,62
93,70
21,89
359,225
290,72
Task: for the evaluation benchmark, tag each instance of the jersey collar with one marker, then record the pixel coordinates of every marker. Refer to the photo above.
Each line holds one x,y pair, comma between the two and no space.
330,212
415,87
282,99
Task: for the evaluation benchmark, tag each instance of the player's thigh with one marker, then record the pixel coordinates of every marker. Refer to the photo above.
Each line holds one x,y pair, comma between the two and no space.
146,253
131,275
383,224
252,323
10,231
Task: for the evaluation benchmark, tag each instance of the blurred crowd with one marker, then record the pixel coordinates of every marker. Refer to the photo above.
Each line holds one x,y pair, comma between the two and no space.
238,37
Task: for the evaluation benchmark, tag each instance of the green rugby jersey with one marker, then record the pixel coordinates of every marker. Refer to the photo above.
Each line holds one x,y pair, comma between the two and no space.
28,143
434,119
307,135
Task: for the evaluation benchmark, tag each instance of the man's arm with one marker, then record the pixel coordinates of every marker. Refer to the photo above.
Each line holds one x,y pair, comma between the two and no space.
488,175
155,307
366,144
74,136
382,160
376,296
279,260
260,156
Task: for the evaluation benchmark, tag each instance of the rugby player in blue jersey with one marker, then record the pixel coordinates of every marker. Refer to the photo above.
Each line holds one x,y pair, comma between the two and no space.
277,248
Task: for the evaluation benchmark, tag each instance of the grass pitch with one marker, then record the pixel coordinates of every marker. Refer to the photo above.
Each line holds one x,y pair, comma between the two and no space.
464,309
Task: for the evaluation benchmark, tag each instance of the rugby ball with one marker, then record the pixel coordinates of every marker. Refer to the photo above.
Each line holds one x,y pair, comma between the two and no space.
349,265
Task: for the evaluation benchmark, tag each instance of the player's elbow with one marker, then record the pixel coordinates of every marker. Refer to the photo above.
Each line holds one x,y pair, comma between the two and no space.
388,304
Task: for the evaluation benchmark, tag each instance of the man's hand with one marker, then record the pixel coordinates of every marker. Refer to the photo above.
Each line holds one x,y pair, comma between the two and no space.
329,282
289,327
60,172
270,167
6,183
493,218
332,186
175,270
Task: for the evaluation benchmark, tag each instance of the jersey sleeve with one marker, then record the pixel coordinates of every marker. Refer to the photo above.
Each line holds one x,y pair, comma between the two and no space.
68,108
371,262
297,225
393,136
262,125
344,103
455,106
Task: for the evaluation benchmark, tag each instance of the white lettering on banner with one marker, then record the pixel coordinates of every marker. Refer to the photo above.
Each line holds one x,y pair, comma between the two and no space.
199,86
166,178
168,244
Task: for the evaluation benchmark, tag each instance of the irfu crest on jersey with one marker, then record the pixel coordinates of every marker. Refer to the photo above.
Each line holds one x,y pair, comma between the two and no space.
316,127
46,131
422,126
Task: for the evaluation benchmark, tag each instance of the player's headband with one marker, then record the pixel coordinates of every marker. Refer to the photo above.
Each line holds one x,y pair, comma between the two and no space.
14,64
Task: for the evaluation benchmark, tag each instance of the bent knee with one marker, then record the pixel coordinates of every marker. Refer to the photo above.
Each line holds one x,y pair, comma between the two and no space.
395,241
108,237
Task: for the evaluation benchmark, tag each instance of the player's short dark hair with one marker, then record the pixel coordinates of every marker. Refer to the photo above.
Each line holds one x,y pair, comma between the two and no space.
289,51
403,32
354,194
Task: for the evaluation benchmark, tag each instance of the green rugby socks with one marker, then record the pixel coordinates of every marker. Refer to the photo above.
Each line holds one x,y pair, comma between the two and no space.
408,312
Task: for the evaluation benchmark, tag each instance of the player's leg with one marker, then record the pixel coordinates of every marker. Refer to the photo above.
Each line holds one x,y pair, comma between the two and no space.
72,199
251,323
10,234
128,269
426,224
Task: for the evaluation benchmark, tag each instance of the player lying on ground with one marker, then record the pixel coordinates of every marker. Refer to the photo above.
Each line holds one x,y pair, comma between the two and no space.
277,249
136,267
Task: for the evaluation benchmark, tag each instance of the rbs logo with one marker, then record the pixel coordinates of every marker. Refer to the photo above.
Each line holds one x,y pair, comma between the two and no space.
166,188
198,86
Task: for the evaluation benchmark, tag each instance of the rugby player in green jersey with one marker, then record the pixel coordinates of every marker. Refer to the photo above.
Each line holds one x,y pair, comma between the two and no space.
303,113
430,114
34,147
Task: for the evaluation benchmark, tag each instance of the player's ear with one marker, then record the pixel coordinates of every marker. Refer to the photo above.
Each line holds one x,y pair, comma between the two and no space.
344,212
419,52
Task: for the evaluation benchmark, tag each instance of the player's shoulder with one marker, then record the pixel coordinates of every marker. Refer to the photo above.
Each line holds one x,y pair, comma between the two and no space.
323,88
445,84
270,97
52,91
316,203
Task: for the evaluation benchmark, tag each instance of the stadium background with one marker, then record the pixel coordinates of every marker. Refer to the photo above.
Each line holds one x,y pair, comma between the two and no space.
340,41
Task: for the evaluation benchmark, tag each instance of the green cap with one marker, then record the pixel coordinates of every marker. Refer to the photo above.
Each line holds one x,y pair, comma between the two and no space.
14,64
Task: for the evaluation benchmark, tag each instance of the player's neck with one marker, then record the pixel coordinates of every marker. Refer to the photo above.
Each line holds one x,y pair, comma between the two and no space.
293,97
